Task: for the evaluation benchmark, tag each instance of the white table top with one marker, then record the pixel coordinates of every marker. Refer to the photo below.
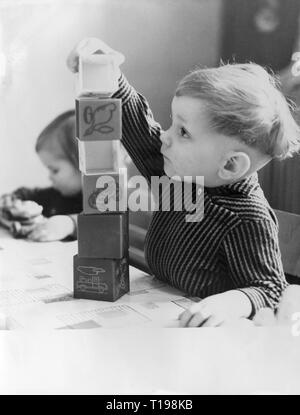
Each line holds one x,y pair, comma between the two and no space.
36,292
142,356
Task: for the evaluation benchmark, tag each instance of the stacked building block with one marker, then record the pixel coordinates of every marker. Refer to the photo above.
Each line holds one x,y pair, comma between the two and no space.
101,269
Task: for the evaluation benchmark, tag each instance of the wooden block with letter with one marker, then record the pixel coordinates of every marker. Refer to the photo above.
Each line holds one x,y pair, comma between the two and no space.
103,236
100,279
104,192
99,156
98,119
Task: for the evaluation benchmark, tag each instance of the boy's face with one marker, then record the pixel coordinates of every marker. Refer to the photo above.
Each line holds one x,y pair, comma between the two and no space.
190,146
63,175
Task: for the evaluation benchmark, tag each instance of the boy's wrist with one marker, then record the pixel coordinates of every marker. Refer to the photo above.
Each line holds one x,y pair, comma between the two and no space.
125,91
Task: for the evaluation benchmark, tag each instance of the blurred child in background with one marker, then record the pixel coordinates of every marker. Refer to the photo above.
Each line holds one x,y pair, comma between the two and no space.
49,214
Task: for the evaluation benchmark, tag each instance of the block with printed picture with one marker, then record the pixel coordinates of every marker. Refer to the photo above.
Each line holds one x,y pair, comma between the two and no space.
98,119
100,279
105,192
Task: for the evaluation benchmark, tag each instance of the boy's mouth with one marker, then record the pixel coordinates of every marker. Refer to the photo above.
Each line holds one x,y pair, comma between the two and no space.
165,157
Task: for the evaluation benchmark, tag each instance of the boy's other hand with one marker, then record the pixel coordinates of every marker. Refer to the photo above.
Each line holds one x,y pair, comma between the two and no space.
265,317
25,209
89,46
217,310
20,229
19,216
7,201
17,209
55,228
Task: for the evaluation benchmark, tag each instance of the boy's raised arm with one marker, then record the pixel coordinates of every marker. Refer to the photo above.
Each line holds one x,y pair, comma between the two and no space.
140,133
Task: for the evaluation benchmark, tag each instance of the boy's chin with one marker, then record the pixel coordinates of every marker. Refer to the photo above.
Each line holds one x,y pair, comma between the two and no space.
172,174
169,171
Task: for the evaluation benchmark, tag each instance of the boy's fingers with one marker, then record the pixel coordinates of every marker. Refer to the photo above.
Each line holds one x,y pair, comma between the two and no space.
188,314
42,235
197,320
184,318
212,322
72,61
5,222
8,199
24,230
37,234
85,46
25,211
32,236
89,46
44,238
191,318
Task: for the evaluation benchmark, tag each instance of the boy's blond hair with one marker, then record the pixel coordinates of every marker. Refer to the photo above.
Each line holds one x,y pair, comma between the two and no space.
243,101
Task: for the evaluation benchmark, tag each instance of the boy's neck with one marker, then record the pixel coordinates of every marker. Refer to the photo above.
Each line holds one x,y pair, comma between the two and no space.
245,183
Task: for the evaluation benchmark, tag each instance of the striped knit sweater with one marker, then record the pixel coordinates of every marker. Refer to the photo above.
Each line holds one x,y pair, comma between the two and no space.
234,246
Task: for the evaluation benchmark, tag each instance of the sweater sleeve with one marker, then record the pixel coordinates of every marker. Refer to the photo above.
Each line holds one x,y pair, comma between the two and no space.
140,132
53,202
46,197
254,262
34,194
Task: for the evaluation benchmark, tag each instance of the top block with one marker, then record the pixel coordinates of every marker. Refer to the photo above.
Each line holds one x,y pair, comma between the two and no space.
97,74
98,119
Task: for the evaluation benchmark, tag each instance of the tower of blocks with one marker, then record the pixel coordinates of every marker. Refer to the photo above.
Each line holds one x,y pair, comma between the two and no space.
101,268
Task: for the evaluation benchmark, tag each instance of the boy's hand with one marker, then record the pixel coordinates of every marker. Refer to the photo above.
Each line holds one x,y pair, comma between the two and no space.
217,310
20,229
265,317
89,46
55,228
7,201
16,209
19,216
25,209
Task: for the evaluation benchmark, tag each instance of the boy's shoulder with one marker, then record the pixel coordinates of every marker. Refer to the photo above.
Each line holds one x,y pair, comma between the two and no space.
244,200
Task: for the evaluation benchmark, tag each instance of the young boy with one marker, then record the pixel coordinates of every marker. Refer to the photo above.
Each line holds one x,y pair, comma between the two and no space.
227,123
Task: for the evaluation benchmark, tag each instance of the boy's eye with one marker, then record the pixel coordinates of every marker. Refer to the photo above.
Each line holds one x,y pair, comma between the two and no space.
183,132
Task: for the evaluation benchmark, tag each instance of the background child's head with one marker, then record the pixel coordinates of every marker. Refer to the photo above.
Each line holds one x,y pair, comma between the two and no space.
239,118
58,151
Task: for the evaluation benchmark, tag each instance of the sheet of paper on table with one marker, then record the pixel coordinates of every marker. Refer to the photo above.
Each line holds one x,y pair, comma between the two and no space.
36,281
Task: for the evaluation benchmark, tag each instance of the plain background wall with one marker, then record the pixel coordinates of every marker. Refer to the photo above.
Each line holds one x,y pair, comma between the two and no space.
161,40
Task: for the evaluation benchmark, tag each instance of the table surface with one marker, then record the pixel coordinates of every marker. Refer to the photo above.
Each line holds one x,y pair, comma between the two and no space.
36,292
131,346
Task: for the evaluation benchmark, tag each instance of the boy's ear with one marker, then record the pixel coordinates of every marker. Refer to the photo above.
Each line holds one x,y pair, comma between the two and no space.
234,166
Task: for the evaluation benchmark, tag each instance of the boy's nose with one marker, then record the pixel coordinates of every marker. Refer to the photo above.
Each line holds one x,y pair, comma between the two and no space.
166,138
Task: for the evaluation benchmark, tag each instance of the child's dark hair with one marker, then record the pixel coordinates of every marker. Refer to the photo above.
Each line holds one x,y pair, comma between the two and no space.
243,101
59,135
